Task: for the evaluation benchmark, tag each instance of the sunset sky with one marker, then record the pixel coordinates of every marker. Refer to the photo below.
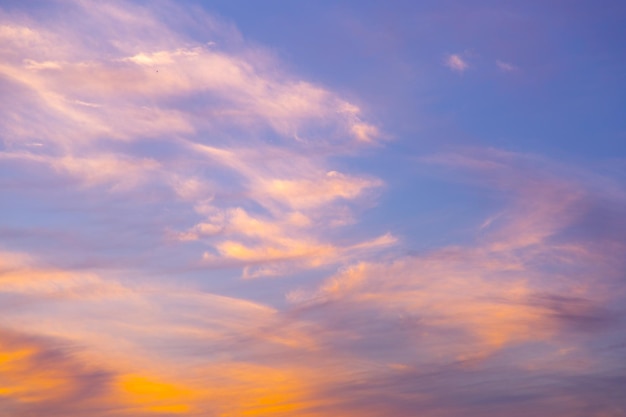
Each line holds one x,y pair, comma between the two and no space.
347,208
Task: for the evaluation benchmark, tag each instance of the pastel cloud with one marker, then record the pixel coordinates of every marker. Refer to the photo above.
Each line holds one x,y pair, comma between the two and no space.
140,165
468,308
301,199
94,116
246,85
275,247
456,63
128,379
443,327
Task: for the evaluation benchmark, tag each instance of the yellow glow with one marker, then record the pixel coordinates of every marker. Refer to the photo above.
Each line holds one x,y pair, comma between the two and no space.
177,408
156,396
232,390
8,359
143,386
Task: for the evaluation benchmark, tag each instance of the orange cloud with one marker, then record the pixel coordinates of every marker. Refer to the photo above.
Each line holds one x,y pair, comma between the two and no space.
38,377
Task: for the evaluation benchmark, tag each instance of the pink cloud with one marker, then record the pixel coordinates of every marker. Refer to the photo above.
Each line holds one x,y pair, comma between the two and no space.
456,63
86,103
513,313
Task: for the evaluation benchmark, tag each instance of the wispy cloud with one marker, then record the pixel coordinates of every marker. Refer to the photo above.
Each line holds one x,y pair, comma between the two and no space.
505,66
456,63
300,199
469,308
449,322
94,113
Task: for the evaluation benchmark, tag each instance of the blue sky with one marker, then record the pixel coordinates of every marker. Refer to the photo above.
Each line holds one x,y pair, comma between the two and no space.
236,208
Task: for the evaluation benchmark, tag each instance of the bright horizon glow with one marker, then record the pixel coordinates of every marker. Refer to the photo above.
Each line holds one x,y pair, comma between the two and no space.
352,208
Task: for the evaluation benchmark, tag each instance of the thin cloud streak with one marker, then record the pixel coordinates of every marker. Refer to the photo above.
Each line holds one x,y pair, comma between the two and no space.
506,66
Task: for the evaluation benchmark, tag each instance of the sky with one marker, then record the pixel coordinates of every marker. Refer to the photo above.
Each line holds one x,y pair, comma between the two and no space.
230,208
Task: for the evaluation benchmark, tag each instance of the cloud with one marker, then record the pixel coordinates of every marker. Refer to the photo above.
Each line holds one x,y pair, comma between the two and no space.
129,85
140,163
435,332
153,112
275,247
301,200
39,375
505,66
145,350
453,315
456,63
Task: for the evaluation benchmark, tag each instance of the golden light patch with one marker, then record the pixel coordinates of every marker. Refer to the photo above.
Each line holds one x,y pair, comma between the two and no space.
252,390
10,359
177,408
156,396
